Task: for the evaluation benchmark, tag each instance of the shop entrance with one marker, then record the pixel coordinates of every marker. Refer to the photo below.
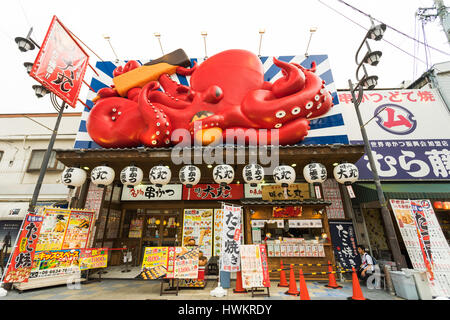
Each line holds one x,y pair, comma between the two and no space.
150,228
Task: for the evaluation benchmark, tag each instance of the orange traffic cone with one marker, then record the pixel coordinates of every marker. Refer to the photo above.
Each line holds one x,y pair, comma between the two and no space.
357,292
283,281
292,284
331,279
239,288
304,295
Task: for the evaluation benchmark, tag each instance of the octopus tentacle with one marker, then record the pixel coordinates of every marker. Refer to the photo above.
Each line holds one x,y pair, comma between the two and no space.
313,100
158,127
292,81
186,71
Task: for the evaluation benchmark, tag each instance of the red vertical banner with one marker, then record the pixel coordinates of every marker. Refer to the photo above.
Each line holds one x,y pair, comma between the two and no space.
21,262
61,63
265,268
170,263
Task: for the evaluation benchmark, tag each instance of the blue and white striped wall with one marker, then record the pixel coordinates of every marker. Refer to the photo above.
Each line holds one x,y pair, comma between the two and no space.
327,129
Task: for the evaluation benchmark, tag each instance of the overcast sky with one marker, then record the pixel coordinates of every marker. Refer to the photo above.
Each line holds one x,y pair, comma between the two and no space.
231,24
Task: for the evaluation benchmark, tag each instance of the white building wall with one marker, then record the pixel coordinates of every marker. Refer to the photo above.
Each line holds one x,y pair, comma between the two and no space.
18,137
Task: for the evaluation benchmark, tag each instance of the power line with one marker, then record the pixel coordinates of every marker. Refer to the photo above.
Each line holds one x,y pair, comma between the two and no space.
396,30
409,54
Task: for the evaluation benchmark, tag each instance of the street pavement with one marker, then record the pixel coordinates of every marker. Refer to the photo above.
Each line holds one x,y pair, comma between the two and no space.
149,290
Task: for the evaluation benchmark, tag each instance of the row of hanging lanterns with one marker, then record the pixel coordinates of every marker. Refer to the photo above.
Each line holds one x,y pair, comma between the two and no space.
223,174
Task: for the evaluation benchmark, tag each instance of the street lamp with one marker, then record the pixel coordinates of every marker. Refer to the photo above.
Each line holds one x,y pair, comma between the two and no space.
369,82
158,36
312,30
26,44
204,34
40,90
261,32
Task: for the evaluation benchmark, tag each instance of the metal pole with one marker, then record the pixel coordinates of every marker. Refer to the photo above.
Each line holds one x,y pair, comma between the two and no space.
44,165
389,226
444,16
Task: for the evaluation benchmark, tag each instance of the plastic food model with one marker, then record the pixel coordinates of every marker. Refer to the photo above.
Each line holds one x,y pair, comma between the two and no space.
227,92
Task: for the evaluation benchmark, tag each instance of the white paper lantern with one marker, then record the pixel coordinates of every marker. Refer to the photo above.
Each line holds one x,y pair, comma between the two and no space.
315,173
73,177
346,173
102,176
223,174
160,175
189,175
131,176
284,175
253,174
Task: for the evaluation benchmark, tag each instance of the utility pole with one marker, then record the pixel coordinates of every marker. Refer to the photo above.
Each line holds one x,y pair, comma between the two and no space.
439,10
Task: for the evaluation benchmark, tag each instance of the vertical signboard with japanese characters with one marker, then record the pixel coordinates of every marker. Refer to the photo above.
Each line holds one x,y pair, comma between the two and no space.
408,135
255,272
427,247
21,260
198,225
344,243
231,238
60,64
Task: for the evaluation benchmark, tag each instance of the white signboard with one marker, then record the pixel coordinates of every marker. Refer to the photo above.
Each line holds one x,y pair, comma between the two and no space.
409,133
231,238
149,192
426,244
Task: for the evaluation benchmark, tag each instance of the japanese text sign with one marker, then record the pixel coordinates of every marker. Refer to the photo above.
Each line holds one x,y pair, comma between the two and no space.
408,133
21,261
148,192
93,258
231,238
213,192
344,243
255,272
298,191
55,263
425,242
60,64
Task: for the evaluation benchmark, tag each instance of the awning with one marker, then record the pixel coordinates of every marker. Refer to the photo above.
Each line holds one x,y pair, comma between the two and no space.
311,202
366,192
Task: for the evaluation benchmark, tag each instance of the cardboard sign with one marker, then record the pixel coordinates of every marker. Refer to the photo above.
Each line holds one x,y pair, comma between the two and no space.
298,191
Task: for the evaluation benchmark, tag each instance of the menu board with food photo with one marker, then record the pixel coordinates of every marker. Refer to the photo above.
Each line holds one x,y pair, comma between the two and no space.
197,229
276,249
254,266
53,229
154,263
93,258
78,228
186,262
55,263
136,228
218,216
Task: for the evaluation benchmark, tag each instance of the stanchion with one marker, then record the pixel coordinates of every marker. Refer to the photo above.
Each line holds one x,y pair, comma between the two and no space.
292,284
357,292
239,288
304,295
331,279
283,280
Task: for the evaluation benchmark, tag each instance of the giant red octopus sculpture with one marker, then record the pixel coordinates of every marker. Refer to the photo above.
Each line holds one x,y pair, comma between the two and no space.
227,92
